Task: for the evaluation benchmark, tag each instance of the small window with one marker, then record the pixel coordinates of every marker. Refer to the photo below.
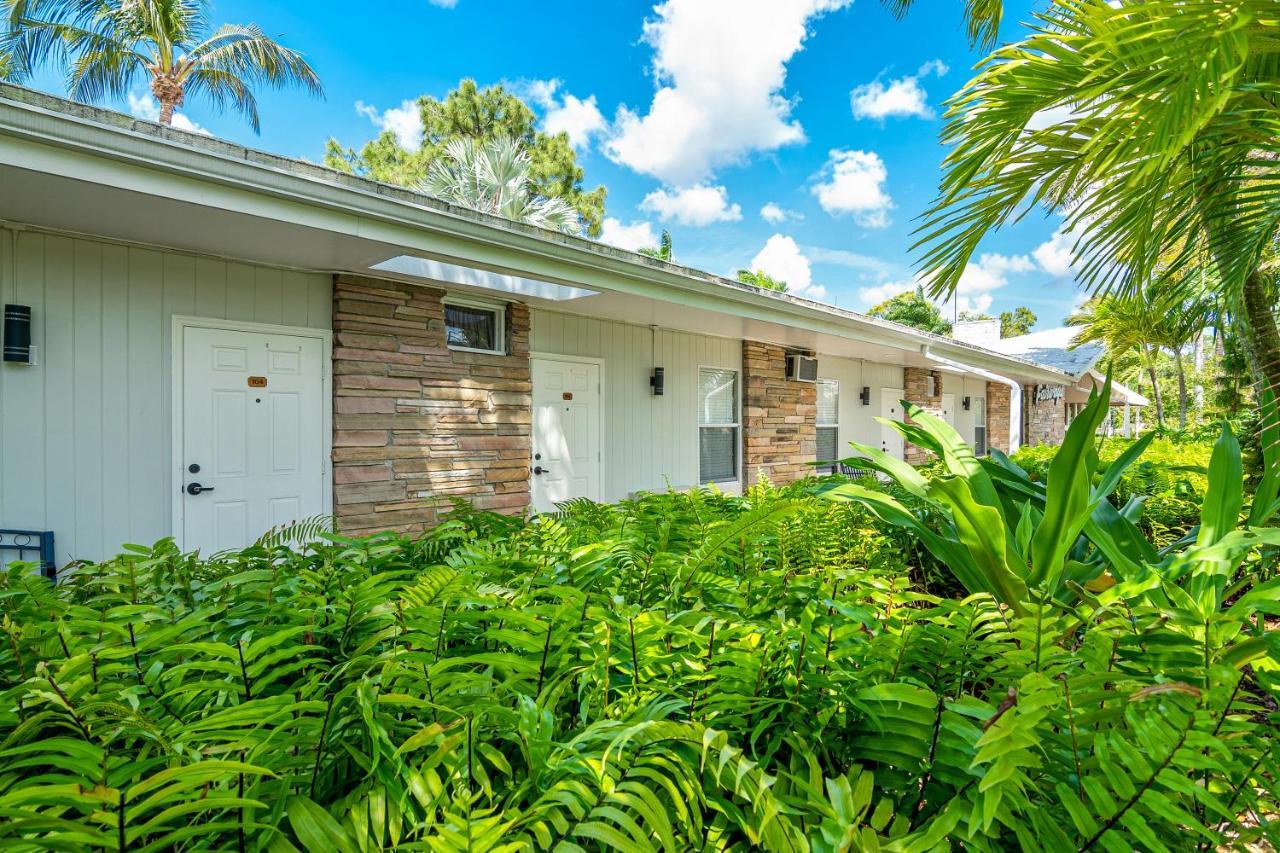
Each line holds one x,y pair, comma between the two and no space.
474,328
718,440
979,405
828,422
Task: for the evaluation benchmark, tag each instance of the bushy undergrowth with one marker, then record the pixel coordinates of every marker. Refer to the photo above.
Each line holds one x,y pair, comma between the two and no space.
1169,479
679,672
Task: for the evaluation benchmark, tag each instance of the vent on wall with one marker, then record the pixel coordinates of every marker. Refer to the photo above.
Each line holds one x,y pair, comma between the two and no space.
802,368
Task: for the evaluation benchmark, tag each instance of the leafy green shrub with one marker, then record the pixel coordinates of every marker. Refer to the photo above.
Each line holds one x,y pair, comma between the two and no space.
679,671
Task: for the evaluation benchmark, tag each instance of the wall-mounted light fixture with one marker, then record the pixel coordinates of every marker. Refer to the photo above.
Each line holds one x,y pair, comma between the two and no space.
17,334
656,381
968,401
865,396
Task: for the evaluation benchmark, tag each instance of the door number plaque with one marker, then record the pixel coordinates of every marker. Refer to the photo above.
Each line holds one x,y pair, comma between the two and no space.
257,382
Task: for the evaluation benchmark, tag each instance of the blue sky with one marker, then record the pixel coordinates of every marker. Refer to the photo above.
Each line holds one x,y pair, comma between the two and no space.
795,135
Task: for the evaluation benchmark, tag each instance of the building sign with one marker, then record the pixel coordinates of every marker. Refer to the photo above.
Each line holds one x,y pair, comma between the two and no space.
1049,392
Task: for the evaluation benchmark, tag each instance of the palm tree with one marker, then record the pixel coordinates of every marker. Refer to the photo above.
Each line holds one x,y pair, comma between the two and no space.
1149,125
492,176
108,45
1126,325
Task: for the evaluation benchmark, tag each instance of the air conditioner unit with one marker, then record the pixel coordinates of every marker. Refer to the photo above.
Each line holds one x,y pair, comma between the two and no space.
802,368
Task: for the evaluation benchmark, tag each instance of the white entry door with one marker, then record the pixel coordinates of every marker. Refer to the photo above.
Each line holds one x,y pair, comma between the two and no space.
566,432
949,408
251,454
891,409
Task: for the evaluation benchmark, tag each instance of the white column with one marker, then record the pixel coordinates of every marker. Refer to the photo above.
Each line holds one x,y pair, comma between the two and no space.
1126,419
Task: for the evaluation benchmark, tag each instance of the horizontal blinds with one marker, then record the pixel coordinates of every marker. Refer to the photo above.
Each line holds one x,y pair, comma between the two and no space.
828,402
717,396
828,444
718,453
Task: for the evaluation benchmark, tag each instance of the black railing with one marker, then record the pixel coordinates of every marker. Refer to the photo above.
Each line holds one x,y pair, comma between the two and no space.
31,542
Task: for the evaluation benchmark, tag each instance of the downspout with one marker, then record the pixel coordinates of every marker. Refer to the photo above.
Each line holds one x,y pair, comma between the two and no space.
1015,393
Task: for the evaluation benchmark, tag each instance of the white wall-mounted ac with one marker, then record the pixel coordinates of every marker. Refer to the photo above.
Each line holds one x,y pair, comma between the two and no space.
802,368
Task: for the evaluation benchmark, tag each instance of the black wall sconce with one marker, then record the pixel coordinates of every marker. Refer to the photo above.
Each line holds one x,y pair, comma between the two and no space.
657,380
865,396
17,333
968,401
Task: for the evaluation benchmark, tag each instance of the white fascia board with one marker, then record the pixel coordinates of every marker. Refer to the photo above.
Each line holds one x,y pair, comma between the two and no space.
209,172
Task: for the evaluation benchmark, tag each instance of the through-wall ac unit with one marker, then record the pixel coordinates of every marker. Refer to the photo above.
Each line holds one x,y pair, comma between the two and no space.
802,368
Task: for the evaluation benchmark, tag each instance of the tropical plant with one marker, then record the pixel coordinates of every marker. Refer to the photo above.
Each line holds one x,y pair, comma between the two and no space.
1125,324
481,115
1151,126
914,309
492,176
761,279
1017,322
109,45
663,250
678,671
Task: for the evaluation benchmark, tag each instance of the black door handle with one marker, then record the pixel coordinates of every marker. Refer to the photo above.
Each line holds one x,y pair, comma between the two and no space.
196,488
538,469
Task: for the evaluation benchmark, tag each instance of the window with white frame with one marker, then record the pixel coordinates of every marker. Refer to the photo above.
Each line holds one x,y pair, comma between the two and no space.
828,422
474,326
718,440
979,405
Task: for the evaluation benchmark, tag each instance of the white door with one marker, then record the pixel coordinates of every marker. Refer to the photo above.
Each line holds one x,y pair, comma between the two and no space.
949,408
891,409
566,432
252,441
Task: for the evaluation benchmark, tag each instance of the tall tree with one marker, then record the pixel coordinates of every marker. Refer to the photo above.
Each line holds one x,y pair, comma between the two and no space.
663,250
1017,322
1149,125
480,114
109,45
760,278
913,309
1125,325
492,176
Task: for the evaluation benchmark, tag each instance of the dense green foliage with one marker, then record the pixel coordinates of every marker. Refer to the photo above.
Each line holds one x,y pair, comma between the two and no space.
1017,322
760,278
913,309
679,671
469,112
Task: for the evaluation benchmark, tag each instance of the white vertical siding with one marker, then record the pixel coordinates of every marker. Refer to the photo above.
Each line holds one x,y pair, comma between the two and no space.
647,442
858,422
85,435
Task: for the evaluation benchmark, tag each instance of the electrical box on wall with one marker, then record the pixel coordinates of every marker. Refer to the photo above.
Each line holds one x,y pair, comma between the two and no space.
802,368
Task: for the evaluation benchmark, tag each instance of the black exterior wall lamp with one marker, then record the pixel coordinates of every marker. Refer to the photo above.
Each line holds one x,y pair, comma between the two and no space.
17,334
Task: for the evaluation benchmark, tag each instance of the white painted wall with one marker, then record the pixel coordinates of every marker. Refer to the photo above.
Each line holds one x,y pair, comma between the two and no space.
85,435
964,386
858,422
647,442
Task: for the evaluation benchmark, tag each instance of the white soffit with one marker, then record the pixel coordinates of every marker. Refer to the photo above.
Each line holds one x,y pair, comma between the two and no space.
440,271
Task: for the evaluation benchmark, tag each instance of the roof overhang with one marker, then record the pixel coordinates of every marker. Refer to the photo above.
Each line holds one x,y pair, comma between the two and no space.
68,167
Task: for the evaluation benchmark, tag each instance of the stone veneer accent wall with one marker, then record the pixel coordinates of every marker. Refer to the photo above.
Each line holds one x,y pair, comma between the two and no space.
1046,421
915,387
998,397
416,422
779,432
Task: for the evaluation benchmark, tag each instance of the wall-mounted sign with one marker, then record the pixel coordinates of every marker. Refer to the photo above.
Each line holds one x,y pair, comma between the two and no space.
1049,392
567,395
257,382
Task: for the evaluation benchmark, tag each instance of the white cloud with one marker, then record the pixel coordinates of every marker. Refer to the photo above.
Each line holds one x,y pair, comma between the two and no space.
404,121
444,4
144,106
986,275
898,98
579,118
782,259
720,67
775,213
698,205
637,235
879,269
855,184
1054,255
872,296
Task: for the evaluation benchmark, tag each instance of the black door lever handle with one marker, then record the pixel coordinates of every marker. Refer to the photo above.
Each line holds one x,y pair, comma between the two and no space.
196,488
